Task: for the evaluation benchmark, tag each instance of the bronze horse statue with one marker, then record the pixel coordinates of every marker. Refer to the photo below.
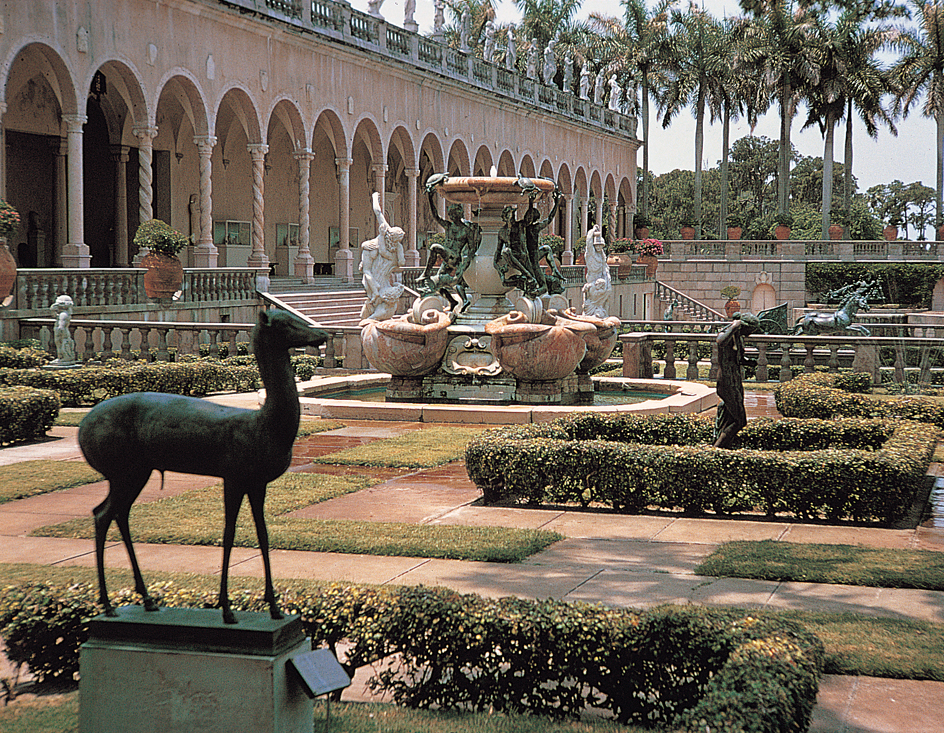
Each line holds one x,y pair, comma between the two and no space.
820,324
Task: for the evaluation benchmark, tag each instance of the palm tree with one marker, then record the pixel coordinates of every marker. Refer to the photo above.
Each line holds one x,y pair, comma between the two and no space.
541,20
778,43
633,46
693,58
920,71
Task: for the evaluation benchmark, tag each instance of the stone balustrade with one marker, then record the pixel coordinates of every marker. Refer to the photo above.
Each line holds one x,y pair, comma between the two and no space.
97,340
858,353
733,250
339,22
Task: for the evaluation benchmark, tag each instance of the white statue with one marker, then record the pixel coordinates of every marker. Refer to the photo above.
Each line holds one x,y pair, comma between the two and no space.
488,52
615,94
532,70
380,258
550,61
409,7
511,51
598,87
65,344
373,8
599,286
439,18
585,80
568,73
465,30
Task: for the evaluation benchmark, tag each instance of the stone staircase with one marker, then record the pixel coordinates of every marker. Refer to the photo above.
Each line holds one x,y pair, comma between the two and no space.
328,301
687,308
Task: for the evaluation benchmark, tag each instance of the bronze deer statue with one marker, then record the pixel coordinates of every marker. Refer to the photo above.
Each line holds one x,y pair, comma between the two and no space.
128,437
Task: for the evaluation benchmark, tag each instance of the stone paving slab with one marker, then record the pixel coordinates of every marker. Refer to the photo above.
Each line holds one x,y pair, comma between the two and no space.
876,705
901,539
716,531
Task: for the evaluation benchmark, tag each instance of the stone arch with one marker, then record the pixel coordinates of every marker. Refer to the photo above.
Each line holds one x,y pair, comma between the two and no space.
527,167
285,136
506,164
401,175
431,160
38,90
328,146
483,161
594,197
366,154
183,89
458,163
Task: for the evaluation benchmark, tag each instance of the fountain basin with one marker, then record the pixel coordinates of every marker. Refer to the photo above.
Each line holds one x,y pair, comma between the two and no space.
679,396
488,191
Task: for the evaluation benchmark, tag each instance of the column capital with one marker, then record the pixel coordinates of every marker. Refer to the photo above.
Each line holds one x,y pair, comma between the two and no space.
204,142
344,163
74,123
411,172
143,132
119,153
303,154
257,151
379,168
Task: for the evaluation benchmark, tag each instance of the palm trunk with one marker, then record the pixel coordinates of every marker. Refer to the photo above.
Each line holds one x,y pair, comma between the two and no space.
847,173
828,172
645,146
725,145
699,149
783,175
939,181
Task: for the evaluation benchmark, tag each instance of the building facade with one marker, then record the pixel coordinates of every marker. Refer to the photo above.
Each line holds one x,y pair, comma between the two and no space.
260,128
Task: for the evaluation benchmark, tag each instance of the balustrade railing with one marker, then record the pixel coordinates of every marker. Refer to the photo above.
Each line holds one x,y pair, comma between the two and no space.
149,340
38,288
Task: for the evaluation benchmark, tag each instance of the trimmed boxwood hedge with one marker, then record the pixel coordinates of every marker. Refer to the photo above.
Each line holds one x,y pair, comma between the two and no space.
682,668
835,469
826,396
26,414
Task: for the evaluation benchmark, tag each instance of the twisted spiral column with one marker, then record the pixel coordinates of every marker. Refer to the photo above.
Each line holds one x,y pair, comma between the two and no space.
205,253
303,266
258,257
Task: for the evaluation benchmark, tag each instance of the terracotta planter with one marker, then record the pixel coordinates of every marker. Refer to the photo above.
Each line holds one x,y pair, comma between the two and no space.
782,232
164,276
731,307
940,233
641,232
890,233
735,232
651,262
623,260
835,232
7,274
688,232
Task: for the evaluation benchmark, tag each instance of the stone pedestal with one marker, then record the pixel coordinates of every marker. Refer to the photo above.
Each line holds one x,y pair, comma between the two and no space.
182,670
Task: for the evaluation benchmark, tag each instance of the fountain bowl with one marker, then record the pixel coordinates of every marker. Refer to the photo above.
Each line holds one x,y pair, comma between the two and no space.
489,191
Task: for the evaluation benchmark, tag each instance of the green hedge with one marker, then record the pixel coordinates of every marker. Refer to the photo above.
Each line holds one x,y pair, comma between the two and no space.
861,470
683,668
825,396
905,284
26,414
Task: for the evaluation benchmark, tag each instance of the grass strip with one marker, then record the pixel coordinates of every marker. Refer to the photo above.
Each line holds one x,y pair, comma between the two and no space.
855,644
417,449
59,714
29,478
818,563
196,518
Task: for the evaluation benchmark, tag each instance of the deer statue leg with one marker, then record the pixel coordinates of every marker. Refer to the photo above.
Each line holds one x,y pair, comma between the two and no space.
232,500
257,502
116,507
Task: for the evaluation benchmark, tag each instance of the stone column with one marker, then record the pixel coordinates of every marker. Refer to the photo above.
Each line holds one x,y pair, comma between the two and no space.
599,216
119,154
344,260
3,154
60,227
568,257
145,135
205,254
612,222
258,257
303,265
586,213
76,252
411,254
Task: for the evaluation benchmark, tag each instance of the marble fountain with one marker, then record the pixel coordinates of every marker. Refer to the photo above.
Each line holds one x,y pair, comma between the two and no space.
491,338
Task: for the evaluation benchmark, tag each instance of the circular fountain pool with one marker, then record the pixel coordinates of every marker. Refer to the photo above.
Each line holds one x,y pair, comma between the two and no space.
348,397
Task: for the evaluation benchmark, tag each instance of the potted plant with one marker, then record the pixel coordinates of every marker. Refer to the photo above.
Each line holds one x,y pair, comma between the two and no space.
732,305
837,220
734,226
890,232
782,224
165,273
9,225
687,230
648,251
641,226
620,253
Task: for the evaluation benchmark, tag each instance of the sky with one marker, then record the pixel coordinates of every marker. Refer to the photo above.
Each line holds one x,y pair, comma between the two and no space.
908,157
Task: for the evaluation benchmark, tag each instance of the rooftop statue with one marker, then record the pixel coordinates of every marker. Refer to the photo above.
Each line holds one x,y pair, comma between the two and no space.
381,257
465,30
585,80
550,62
533,53
373,8
615,94
511,50
439,18
599,87
568,73
488,51
463,238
